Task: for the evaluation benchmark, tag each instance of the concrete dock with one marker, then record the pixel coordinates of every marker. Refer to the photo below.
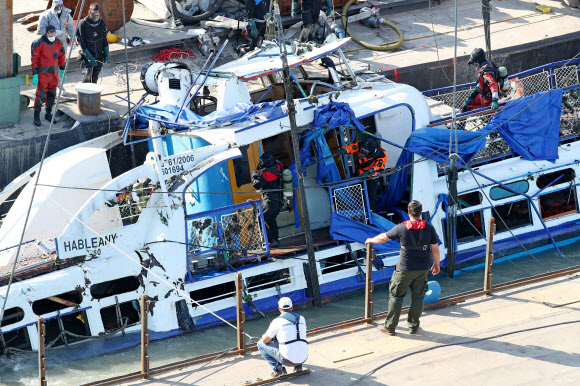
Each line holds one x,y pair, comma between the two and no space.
527,335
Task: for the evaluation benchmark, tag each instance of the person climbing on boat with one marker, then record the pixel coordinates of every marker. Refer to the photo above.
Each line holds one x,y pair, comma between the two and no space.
48,58
372,158
270,181
486,93
256,10
419,242
291,348
92,37
310,14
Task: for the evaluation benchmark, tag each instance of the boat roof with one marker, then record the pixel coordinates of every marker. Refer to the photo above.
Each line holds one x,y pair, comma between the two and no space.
267,61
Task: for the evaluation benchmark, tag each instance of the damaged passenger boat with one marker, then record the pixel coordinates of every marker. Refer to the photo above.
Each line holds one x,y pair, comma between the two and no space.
178,226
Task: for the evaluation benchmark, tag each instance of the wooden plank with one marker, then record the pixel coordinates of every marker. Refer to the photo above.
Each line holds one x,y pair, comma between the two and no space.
62,301
139,133
278,379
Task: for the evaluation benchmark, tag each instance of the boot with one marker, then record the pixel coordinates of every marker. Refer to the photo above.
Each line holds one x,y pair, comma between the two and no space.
48,115
36,118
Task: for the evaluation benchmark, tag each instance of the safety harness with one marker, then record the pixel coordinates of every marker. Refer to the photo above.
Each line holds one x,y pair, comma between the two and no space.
293,318
418,244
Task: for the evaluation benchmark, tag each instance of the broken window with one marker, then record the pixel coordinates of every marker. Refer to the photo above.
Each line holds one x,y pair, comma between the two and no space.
213,293
18,339
558,203
114,287
498,193
513,214
469,227
242,167
338,263
57,302
268,280
12,315
71,328
560,177
117,315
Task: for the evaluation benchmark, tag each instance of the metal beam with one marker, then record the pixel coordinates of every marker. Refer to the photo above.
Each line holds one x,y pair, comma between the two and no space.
6,42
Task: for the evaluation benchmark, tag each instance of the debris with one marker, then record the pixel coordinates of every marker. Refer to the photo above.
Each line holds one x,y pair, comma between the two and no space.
543,8
29,18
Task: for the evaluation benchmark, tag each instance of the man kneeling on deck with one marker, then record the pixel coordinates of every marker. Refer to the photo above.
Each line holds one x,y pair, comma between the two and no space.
289,329
418,243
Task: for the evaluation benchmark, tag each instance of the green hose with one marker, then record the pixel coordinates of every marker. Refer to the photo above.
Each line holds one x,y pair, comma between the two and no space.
375,47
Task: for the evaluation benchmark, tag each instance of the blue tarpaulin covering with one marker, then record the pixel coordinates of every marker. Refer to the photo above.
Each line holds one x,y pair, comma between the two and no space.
532,132
188,119
346,229
335,114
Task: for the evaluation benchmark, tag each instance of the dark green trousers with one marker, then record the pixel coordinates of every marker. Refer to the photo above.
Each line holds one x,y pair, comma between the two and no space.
400,284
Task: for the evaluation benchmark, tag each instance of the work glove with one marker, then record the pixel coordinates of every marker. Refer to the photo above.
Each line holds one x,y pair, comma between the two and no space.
494,104
341,151
328,7
465,107
366,174
62,75
294,10
106,57
90,58
35,79
253,28
255,174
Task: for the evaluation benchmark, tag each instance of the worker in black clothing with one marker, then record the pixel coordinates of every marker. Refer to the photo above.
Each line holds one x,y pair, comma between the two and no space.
270,180
310,14
92,37
257,10
419,242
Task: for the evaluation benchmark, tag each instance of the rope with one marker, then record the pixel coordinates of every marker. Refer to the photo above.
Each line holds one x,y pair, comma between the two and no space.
37,177
173,53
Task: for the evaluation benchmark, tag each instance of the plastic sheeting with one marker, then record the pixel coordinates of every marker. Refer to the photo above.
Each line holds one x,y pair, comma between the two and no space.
346,229
241,112
335,114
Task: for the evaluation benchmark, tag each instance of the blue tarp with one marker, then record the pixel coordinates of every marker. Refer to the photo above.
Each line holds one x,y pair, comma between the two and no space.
335,114
239,113
343,228
533,133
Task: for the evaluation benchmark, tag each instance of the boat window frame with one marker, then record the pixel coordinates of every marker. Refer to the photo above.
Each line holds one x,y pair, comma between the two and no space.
464,213
510,194
576,204
499,222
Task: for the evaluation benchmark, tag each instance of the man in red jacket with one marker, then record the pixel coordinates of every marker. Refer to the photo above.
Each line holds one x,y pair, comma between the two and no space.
47,58
486,92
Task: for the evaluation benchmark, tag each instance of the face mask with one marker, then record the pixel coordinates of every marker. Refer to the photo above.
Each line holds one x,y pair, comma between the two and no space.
58,11
95,16
51,38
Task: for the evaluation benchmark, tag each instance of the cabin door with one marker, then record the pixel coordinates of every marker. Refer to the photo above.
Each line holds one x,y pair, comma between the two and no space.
240,170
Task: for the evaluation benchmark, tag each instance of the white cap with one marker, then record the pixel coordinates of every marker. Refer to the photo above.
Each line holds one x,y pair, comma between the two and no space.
285,303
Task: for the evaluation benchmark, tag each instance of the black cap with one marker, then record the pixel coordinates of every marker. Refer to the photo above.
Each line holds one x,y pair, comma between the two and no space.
477,56
267,160
50,28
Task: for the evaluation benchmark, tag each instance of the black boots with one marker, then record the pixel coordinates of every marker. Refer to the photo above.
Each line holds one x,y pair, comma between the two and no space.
36,118
48,115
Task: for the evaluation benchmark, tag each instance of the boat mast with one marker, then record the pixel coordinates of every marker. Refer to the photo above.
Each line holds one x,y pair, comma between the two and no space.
452,171
314,285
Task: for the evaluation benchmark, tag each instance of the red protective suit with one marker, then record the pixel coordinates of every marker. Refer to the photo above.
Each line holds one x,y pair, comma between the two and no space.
47,58
487,87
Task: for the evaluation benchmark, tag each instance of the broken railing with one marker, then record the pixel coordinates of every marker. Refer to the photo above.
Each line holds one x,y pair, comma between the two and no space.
236,232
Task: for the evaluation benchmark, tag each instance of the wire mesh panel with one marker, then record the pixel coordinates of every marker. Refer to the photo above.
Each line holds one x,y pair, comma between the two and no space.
566,76
349,201
237,231
31,254
536,83
447,97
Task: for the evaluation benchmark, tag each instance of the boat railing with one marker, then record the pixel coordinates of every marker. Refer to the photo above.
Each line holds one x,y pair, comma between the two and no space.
236,232
563,74
350,200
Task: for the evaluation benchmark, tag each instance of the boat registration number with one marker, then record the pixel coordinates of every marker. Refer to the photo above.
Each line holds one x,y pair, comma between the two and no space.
176,164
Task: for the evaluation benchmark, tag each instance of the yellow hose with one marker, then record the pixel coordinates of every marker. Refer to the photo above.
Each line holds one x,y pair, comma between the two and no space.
375,47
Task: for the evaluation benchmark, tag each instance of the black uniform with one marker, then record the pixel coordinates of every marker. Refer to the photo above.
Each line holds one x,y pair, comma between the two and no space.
270,178
92,35
257,11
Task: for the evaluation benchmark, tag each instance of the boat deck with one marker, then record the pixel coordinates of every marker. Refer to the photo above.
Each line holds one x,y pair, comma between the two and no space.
486,340
296,244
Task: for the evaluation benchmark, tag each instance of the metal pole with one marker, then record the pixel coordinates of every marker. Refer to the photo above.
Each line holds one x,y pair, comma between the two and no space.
240,313
489,257
144,337
296,150
133,161
6,69
41,358
369,287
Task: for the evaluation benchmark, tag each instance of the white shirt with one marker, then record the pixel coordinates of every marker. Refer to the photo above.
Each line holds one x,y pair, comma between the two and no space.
285,331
